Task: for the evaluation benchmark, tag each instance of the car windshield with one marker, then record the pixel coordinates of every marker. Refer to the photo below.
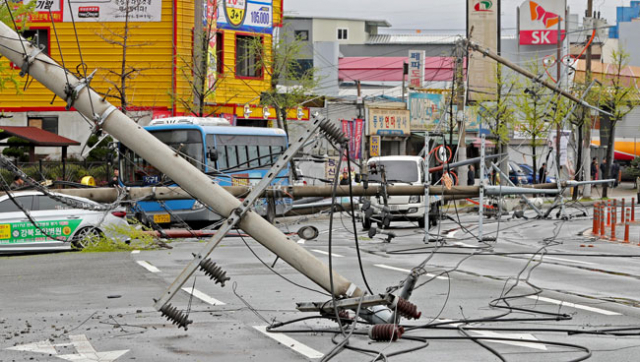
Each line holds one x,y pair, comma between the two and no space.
398,171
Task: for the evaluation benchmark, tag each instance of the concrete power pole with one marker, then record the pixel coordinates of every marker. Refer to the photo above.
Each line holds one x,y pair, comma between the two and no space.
460,101
586,164
106,116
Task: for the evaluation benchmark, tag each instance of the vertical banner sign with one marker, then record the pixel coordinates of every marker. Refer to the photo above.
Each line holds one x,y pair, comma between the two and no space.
482,17
539,21
330,168
374,146
353,130
211,16
416,68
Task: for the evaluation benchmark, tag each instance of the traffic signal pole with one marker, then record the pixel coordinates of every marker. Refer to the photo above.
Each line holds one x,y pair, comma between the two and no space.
79,95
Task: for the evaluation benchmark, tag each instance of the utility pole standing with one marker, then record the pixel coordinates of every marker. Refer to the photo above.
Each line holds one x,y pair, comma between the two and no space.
559,73
586,165
460,100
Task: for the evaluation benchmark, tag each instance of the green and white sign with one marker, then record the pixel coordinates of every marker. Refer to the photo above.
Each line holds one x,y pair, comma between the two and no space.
26,232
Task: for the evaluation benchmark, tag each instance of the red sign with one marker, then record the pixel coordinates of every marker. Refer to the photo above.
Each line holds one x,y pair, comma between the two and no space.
540,21
540,37
353,130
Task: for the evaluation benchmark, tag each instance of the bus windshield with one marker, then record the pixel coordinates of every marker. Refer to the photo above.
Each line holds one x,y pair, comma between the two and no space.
236,154
137,171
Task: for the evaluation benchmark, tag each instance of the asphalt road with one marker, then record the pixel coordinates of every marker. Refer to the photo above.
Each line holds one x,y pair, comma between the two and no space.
478,299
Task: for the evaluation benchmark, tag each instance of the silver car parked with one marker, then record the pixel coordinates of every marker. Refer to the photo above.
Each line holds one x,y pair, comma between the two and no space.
60,225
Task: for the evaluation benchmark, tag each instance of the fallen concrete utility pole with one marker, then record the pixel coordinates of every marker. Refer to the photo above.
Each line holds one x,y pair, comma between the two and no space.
109,194
79,95
535,77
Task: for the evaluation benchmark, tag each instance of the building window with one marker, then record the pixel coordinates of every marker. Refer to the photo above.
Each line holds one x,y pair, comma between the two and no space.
39,37
300,67
302,35
49,124
343,34
220,53
248,51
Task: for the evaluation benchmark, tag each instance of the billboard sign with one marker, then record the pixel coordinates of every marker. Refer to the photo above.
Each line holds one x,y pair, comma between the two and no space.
416,68
254,16
389,122
482,28
113,11
539,22
426,110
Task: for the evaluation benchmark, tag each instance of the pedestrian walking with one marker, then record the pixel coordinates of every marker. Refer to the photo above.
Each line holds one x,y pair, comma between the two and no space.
542,173
594,169
471,175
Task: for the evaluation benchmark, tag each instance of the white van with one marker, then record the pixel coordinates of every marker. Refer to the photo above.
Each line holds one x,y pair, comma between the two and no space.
398,170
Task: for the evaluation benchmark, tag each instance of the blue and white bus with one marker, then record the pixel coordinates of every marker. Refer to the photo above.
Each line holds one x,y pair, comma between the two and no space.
230,155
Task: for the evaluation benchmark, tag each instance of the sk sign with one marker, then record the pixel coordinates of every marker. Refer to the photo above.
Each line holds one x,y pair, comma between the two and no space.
539,22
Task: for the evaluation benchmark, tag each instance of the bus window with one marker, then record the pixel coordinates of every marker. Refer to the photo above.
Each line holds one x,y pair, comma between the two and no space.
265,155
254,157
243,160
232,157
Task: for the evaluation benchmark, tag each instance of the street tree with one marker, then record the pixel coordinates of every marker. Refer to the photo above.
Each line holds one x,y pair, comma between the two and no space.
619,94
120,79
532,102
498,111
281,63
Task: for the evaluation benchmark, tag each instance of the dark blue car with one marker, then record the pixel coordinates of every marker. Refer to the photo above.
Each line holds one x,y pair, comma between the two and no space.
528,171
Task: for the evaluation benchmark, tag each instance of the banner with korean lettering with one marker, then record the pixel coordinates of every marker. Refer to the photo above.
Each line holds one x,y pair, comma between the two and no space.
416,68
46,11
113,11
390,122
26,232
353,130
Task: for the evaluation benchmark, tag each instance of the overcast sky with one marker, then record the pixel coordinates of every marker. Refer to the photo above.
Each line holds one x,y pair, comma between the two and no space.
429,14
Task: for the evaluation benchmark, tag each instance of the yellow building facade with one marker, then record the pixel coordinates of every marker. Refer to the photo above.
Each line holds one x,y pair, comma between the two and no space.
157,74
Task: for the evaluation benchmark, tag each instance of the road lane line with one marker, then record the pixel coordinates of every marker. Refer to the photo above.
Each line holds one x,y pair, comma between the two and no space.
452,234
567,260
135,252
301,241
572,305
383,266
291,343
148,266
203,297
325,253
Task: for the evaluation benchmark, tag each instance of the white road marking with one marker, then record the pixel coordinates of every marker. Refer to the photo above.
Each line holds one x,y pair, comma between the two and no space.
291,343
572,305
203,297
325,253
521,336
459,243
301,241
567,260
452,234
148,266
135,252
85,351
383,266
38,347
